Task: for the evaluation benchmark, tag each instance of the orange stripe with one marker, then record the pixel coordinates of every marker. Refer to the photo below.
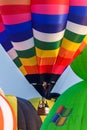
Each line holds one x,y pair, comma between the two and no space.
46,61
66,53
82,46
1,120
12,2
13,114
31,69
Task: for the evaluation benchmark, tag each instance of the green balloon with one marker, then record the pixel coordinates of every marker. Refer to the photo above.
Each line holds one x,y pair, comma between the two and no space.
79,65
69,111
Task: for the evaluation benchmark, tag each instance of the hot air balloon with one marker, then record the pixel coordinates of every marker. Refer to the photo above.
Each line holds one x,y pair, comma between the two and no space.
7,115
79,65
69,111
45,35
73,72
27,117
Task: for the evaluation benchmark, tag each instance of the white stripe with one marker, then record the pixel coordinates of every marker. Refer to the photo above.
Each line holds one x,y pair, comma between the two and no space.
24,45
76,28
46,37
12,53
7,114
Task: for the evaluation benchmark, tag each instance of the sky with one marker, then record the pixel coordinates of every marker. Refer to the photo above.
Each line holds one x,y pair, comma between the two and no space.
66,80
12,80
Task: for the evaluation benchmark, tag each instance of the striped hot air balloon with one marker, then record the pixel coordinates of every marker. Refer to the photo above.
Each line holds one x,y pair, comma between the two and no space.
7,115
27,117
44,36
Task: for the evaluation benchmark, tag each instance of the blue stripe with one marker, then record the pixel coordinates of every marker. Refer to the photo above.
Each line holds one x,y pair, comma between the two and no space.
3,36
18,37
78,10
7,45
49,19
17,28
78,19
49,28
55,118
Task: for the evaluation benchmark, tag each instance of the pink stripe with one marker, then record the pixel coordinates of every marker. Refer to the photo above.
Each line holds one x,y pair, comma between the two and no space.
50,9
15,19
2,28
78,2
12,53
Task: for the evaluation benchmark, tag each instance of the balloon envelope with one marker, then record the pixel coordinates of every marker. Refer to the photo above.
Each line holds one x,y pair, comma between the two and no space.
69,110
26,114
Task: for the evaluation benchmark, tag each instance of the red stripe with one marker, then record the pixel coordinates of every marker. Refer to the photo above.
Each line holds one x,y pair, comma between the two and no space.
62,61
50,2
14,9
58,69
0,19
38,70
45,69
60,109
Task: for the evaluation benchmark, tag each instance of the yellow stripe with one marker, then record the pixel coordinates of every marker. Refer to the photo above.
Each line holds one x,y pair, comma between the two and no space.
47,53
13,102
12,2
22,69
85,39
29,61
69,45
61,121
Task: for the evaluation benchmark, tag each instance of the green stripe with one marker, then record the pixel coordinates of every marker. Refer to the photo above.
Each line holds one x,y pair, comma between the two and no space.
73,36
27,53
47,45
66,112
17,62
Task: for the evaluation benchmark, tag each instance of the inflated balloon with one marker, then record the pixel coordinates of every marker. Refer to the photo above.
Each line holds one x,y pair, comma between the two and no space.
7,45
69,111
81,48
79,65
45,35
27,117
7,115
